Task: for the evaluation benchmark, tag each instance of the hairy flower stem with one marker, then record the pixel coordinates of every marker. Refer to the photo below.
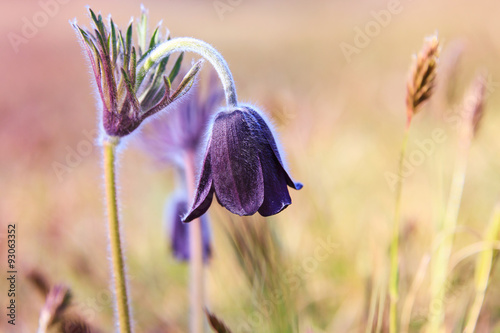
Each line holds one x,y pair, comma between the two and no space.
394,250
197,283
186,44
118,264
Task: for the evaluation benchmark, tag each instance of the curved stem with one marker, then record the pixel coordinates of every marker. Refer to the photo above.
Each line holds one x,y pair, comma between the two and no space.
186,44
196,273
118,264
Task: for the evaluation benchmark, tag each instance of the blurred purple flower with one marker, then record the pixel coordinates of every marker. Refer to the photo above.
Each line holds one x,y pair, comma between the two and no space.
169,136
179,231
243,167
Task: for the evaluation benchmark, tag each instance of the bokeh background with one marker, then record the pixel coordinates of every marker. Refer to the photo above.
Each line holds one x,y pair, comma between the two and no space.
340,121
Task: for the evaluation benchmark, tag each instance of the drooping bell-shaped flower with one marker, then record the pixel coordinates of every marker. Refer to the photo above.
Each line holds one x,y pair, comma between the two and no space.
242,166
128,93
179,231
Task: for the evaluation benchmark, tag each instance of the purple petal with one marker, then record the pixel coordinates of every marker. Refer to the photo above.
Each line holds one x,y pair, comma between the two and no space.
237,173
266,132
204,191
276,196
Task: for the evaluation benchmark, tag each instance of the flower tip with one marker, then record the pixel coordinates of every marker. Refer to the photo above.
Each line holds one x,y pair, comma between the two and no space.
196,211
298,185
188,217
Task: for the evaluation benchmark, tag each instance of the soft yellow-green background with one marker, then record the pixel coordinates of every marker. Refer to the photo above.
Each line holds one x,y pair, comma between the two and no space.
341,125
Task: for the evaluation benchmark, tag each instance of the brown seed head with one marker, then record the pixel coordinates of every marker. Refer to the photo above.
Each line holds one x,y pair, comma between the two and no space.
422,77
474,104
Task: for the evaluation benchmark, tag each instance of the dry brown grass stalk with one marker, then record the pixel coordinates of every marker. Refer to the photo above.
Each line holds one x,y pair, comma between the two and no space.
422,77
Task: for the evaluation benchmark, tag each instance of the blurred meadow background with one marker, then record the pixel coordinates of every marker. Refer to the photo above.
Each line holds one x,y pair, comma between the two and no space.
341,122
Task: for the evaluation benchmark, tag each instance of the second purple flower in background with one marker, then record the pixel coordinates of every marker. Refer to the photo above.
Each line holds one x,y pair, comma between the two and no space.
171,139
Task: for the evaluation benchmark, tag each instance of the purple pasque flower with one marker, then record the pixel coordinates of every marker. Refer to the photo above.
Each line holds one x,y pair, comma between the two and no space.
242,166
179,231
127,93
171,135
